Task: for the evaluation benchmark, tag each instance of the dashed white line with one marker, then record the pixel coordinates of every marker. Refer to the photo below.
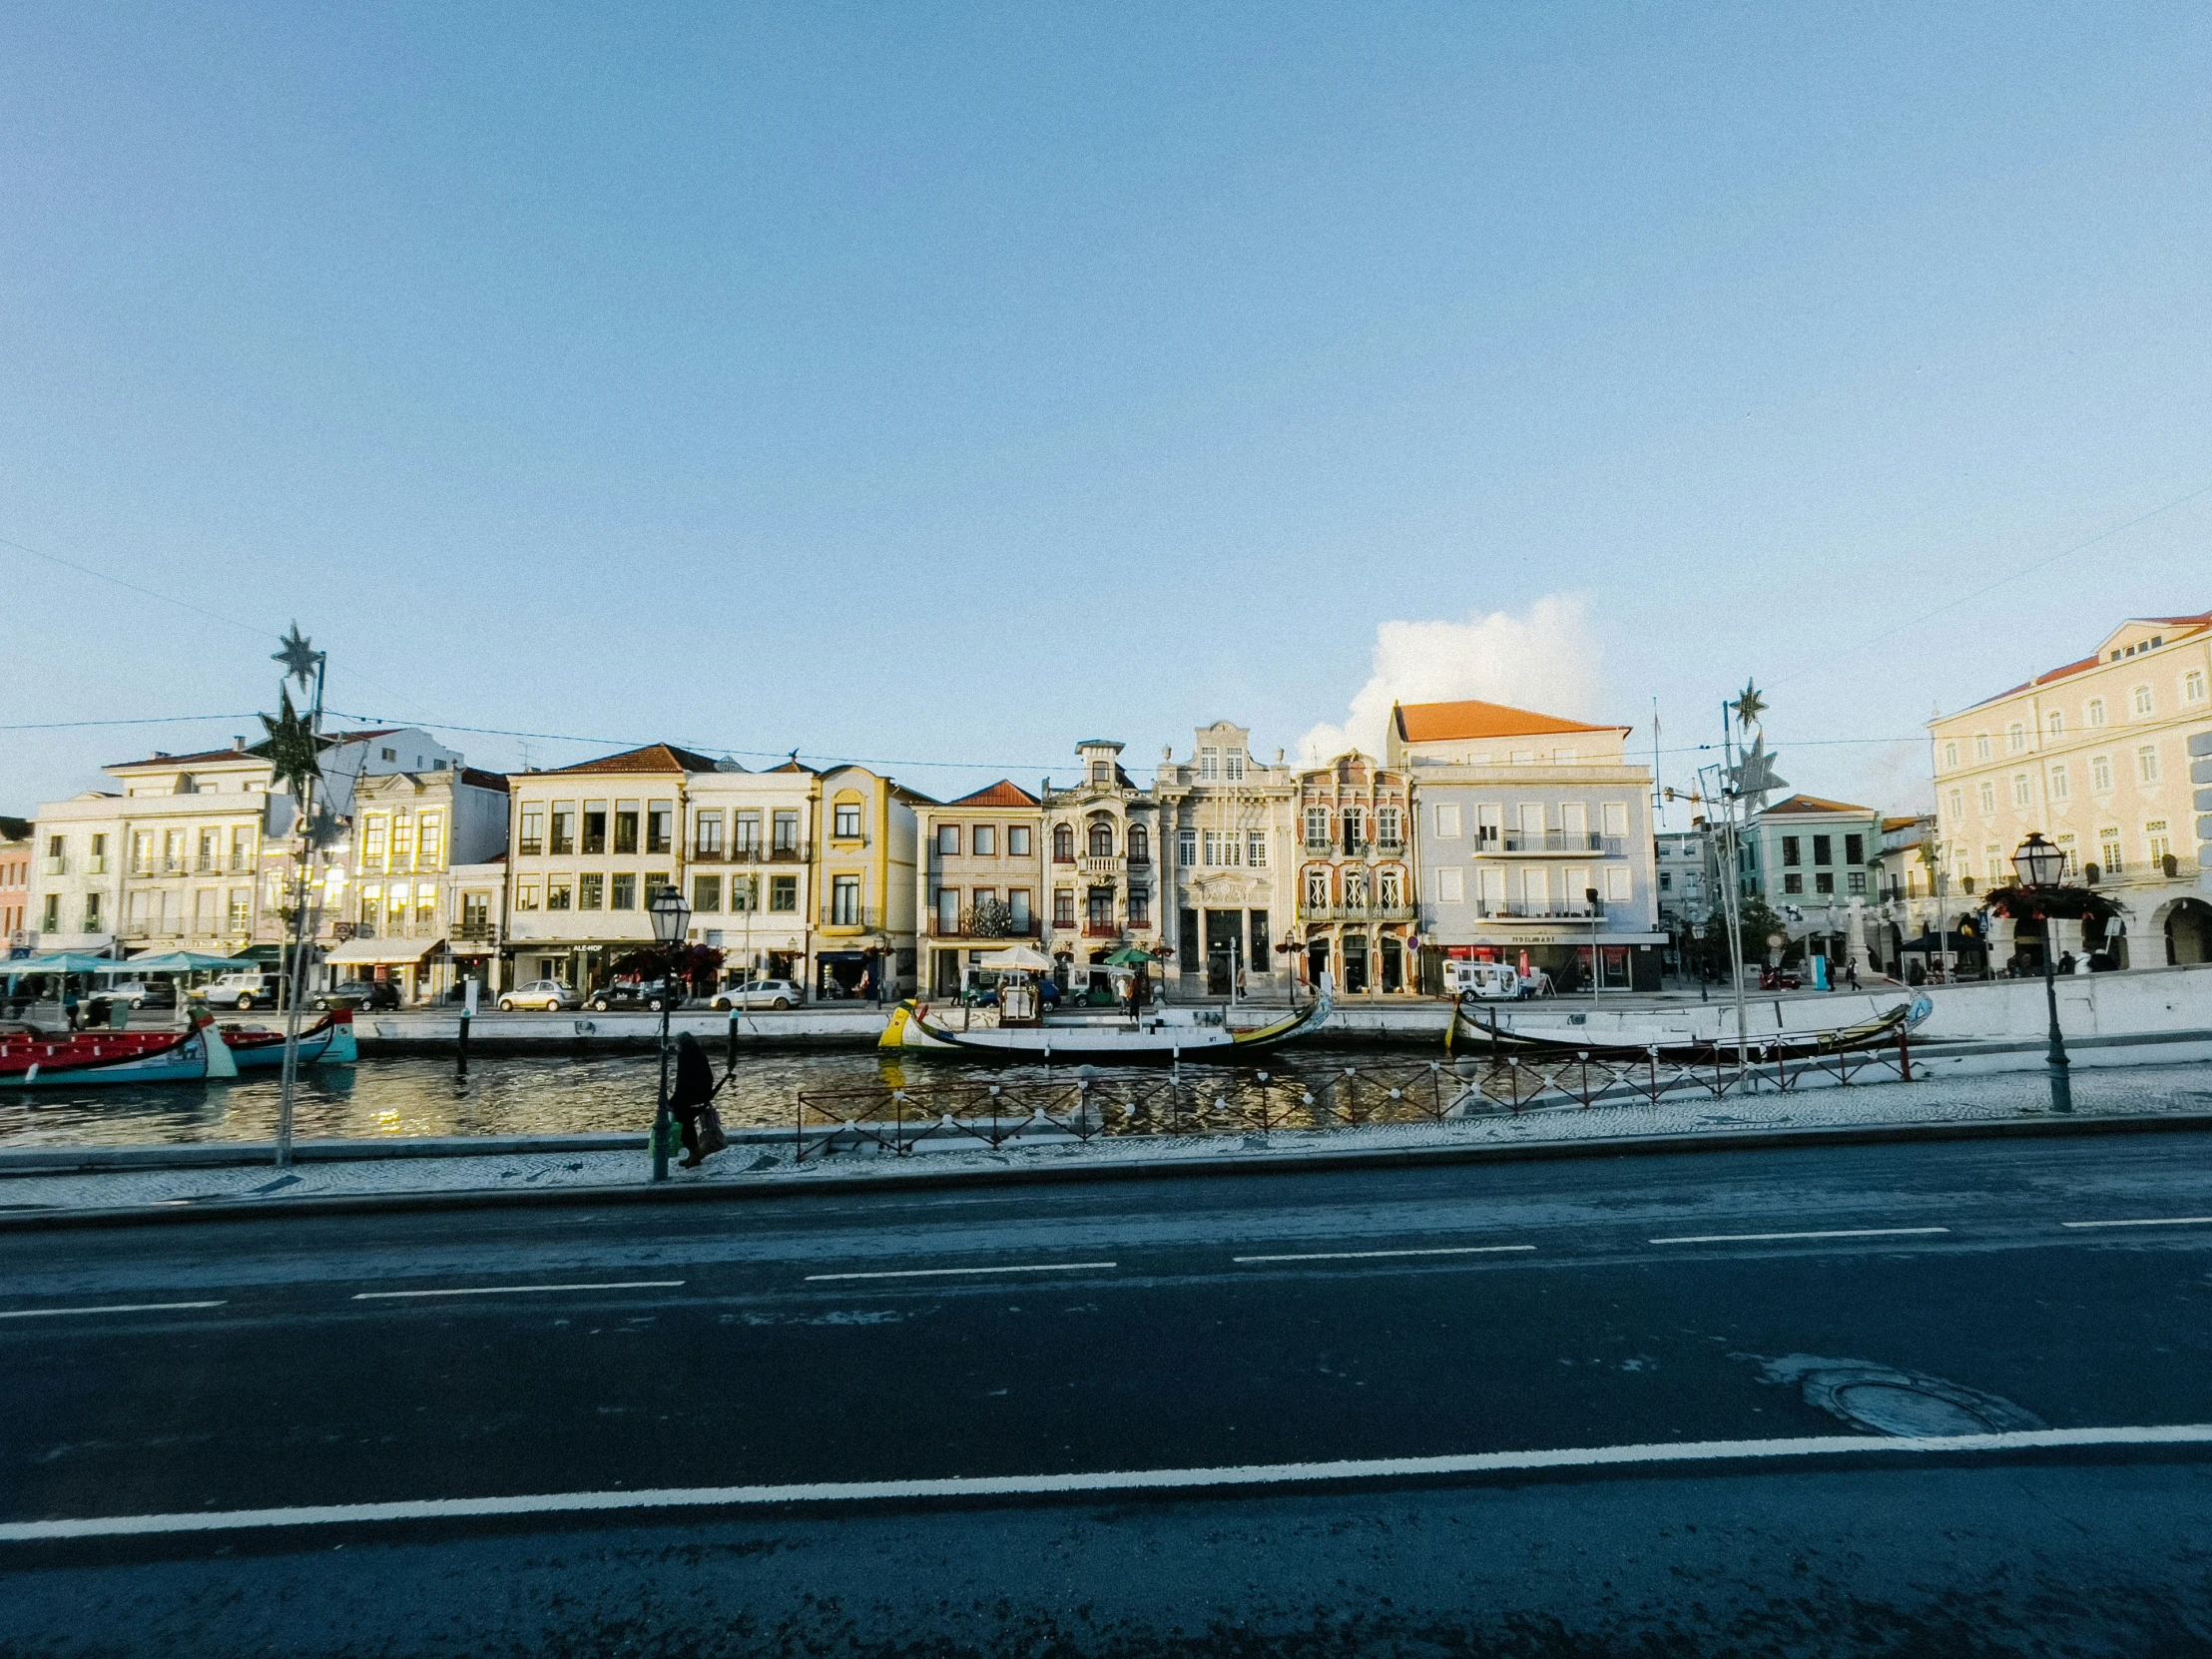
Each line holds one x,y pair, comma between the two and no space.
1017,1485
1826,1232
521,1290
115,1307
1375,1255
2150,1221
951,1273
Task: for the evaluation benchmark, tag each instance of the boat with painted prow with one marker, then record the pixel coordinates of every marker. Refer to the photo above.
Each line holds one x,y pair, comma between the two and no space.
1013,1033
329,1042
1682,1037
100,1057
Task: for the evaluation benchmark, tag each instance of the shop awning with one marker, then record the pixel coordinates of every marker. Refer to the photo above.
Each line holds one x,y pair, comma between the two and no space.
380,950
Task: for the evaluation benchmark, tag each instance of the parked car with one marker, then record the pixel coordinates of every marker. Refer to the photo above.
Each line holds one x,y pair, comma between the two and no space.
549,995
757,994
360,993
1779,979
242,991
623,994
143,993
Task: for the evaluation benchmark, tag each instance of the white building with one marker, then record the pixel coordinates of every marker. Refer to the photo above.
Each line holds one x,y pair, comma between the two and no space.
1229,824
1106,869
1523,818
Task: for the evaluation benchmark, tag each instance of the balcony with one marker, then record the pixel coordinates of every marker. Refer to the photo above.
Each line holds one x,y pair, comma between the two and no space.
1097,864
1356,912
1587,843
1389,847
858,920
1319,850
708,855
1538,912
527,849
1095,929
963,927
57,866
474,932
1060,857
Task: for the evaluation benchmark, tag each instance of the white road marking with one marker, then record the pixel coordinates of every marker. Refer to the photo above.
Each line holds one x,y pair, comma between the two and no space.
1832,1233
1118,1481
522,1289
942,1273
2154,1220
1371,1255
117,1308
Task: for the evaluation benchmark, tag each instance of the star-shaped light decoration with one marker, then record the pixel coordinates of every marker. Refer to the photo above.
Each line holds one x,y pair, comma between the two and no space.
325,828
298,656
291,747
1749,707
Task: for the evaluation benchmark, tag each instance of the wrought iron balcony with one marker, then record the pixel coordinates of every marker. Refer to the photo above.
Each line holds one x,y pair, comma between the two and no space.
963,926
1563,841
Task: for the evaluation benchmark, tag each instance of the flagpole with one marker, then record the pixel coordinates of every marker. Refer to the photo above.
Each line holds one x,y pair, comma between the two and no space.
298,657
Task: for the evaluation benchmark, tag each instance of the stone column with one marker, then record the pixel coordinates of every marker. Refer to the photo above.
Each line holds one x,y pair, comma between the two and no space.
2000,942
2064,940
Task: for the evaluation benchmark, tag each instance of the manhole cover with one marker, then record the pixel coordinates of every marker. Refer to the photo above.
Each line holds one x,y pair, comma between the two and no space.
1885,1401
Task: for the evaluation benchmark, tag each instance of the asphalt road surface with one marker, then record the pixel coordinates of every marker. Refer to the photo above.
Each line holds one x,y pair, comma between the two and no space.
1464,1352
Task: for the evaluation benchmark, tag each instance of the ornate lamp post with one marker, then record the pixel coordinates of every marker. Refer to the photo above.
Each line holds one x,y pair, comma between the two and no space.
2039,865
671,915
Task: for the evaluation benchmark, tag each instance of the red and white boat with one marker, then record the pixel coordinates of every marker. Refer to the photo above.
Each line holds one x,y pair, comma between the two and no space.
86,1058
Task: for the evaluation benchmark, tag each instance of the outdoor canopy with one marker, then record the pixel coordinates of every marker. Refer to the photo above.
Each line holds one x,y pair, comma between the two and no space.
381,950
1130,956
178,961
66,961
1017,957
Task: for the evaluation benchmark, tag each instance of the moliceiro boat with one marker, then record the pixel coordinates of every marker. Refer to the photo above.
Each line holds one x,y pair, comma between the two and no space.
95,1057
1702,1037
329,1042
1016,1032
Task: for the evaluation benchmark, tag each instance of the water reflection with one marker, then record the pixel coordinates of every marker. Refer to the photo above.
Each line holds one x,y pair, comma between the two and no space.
511,1095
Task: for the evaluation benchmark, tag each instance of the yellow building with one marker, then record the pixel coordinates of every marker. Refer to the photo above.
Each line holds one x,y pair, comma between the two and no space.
2095,756
863,884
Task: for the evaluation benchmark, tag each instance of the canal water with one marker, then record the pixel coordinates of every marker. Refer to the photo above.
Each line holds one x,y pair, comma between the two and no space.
562,1095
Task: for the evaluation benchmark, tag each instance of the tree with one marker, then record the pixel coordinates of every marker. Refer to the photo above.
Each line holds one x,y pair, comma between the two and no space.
990,919
689,964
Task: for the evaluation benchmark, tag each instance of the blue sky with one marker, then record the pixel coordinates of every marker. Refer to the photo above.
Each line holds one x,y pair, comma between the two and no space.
948,384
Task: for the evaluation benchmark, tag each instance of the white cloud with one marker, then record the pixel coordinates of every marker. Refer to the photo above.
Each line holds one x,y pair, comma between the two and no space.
1545,660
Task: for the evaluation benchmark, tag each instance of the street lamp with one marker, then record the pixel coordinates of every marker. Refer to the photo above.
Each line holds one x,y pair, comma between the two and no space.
2039,865
671,915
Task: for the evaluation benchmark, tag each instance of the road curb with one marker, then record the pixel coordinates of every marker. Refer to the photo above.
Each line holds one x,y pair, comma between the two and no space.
1261,1163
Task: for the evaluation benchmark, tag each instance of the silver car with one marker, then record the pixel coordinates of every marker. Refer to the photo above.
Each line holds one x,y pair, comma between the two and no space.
550,995
757,994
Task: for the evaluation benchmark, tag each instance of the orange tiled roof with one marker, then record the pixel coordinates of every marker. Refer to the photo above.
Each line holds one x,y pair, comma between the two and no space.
1447,722
1000,793
654,756
2060,673
1814,804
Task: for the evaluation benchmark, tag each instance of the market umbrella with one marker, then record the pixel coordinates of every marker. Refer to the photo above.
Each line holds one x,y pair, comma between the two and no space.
65,961
178,961
1130,956
1017,957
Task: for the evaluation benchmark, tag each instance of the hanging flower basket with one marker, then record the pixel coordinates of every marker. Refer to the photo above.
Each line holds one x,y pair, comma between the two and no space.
2064,903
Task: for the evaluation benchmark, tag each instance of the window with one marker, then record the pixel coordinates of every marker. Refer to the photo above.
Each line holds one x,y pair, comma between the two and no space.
1666,880
984,840
660,827
53,919
1017,909
1355,881
2021,795
845,821
655,881
1823,846
1855,881
2097,711
2055,723
948,911
2156,841
786,828
1063,844
526,898
1317,890
626,827
1988,797
2060,788
844,899
1098,907
2015,738
1790,845
2108,850
948,841
1386,825
92,912
1017,841
1992,863
1063,907
1824,881
782,893
1855,850
1452,887
2065,846
1256,849
373,838
1140,845
1231,848
625,893
1186,847
745,833
595,827
425,903
1102,837
1140,907
403,841
564,828
388,753
2142,700
1793,882
1616,817
745,894
1209,765
1618,884
1102,773
1951,755
1982,746
560,893
706,892
1316,825
1213,848
590,892
242,910
2100,774
2146,765
707,836
1448,824
2192,685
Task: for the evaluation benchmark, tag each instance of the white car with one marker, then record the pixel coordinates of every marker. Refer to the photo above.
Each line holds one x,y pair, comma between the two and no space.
242,991
757,994
138,993
549,995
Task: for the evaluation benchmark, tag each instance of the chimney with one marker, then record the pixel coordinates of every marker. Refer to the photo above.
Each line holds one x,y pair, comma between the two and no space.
237,743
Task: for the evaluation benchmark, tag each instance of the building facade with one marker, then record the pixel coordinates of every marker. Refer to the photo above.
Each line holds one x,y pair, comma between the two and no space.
1523,818
1229,865
2094,755
15,884
980,881
751,838
1812,861
1682,861
865,863
1354,909
1104,862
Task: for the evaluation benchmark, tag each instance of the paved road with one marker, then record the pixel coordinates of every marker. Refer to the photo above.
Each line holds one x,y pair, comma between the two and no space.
1129,1328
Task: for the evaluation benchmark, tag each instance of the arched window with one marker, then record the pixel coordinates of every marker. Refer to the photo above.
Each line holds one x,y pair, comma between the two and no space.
1140,845
2097,711
2015,738
1102,837
1063,843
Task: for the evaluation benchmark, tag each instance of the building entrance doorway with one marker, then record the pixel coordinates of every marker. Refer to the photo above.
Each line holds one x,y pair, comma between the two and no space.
1394,963
1223,957
1355,963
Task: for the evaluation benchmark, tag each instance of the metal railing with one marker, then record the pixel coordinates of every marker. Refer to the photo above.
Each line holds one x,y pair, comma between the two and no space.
859,920
1356,912
1565,840
1094,863
1540,912
1095,929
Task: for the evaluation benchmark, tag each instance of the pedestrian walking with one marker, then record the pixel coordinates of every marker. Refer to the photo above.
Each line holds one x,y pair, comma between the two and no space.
691,1102
1851,973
